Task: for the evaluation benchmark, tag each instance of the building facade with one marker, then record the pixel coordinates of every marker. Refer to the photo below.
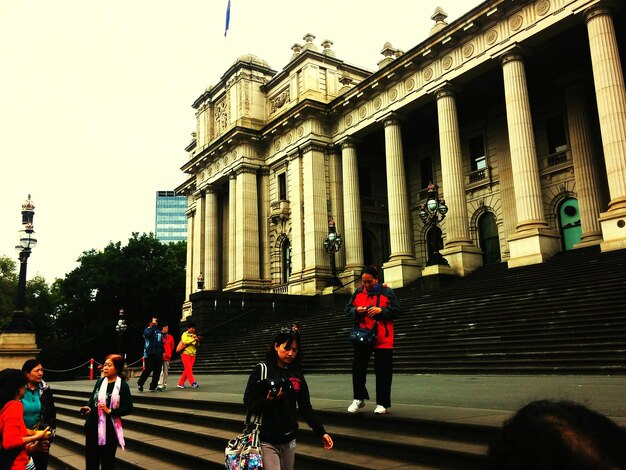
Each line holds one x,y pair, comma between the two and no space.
516,111
170,224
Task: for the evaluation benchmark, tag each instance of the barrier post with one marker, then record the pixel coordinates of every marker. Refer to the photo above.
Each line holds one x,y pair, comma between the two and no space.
143,363
91,369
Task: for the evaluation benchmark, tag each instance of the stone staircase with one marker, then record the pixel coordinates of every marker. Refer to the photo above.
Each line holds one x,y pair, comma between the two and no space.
565,316
178,433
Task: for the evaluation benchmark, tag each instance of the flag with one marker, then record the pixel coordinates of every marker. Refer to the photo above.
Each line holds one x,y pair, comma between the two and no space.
227,19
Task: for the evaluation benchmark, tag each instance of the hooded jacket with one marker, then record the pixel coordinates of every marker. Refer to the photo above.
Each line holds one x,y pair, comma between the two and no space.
383,297
280,416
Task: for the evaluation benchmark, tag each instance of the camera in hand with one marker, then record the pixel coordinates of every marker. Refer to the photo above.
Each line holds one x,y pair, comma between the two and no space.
274,385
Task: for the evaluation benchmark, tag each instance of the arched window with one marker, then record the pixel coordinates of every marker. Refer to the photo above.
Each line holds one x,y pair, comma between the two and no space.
569,220
286,260
489,239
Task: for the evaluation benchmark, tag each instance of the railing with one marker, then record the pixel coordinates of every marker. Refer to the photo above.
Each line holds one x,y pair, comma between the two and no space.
555,162
478,178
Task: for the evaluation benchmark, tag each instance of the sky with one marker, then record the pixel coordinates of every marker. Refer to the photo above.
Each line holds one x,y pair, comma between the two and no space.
95,99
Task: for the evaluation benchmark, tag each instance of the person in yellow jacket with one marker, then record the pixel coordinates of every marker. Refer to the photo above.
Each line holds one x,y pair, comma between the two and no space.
188,355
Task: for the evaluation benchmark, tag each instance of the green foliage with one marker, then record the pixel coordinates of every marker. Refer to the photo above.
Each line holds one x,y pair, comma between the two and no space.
8,288
146,278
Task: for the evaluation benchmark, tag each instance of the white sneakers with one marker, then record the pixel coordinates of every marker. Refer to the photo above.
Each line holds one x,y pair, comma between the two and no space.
381,410
356,405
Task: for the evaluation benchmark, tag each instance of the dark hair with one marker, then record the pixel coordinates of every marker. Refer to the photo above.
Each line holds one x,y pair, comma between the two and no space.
118,362
10,382
371,270
191,325
29,365
558,435
163,325
285,335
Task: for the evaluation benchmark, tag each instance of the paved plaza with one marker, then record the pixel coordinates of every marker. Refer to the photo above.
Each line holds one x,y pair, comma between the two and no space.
486,399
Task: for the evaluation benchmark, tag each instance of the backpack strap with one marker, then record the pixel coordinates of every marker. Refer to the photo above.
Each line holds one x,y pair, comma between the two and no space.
257,418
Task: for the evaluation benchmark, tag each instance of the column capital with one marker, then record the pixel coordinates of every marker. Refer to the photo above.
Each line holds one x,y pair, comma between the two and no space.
191,212
513,53
246,169
602,8
575,79
198,193
445,89
312,146
295,153
391,119
348,142
210,189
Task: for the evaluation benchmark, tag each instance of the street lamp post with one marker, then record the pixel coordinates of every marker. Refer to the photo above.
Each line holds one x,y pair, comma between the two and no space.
432,212
19,322
120,328
332,244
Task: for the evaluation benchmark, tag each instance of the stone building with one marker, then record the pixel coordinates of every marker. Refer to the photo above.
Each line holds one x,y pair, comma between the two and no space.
516,111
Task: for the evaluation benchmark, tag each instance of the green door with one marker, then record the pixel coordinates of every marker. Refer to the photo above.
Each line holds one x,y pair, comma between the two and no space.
569,217
489,239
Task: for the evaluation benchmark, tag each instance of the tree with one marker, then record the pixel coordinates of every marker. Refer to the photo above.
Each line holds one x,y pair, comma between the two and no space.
145,277
8,288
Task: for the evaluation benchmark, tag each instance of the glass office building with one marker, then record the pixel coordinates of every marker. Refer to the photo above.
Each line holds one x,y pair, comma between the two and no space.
171,221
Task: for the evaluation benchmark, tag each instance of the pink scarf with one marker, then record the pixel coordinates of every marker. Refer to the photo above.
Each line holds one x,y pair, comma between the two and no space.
116,420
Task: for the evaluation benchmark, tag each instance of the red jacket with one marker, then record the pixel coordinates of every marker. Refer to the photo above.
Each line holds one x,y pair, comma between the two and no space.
13,429
383,297
168,347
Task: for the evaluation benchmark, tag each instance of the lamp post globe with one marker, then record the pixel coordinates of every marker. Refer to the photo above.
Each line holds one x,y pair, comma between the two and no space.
332,245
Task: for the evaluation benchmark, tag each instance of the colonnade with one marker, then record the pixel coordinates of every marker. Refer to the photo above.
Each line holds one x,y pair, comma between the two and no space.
533,240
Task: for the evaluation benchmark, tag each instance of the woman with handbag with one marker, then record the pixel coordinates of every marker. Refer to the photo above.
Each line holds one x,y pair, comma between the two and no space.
278,399
109,401
373,306
39,409
17,441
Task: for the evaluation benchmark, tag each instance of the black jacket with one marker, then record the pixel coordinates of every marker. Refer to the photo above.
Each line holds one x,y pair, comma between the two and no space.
280,417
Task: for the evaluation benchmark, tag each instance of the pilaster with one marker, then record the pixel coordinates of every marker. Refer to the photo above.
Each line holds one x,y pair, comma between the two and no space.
232,229
335,176
198,237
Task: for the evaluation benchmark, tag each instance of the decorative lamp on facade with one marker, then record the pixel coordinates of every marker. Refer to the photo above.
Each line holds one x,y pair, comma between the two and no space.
200,282
432,212
332,245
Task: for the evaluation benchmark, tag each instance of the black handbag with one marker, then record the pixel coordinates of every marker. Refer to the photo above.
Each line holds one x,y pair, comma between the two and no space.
364,338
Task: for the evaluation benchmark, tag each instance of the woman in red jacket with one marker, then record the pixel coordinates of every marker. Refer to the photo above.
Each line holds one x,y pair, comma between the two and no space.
373,305
17,441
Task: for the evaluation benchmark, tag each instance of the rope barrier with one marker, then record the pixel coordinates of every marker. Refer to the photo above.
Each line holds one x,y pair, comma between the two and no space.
91,363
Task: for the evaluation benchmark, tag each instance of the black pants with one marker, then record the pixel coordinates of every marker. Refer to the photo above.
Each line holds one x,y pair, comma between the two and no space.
100,457
383,367
41,460
153,365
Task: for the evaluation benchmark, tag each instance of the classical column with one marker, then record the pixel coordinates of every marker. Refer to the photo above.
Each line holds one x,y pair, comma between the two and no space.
335,175
198,237
316,260
211,241
189,282
402,267
611,98
264,232
247,229
353,230
533,242
297,217
459,251
232,228
587,184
